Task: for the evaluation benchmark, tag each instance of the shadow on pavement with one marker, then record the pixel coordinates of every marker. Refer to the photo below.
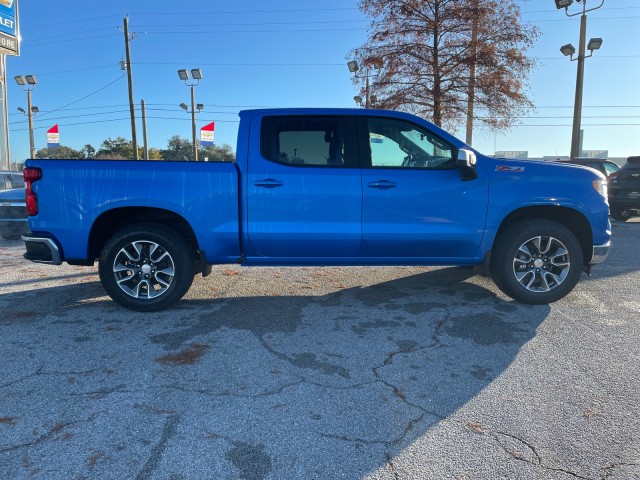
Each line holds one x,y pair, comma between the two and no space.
275,387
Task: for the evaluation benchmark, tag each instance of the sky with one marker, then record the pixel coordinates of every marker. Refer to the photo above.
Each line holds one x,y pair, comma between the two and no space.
287,53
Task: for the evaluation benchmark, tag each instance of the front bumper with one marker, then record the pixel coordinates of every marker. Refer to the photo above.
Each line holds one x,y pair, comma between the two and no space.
600,253
41,249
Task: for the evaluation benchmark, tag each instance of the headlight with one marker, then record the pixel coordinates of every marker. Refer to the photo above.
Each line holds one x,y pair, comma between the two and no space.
601,187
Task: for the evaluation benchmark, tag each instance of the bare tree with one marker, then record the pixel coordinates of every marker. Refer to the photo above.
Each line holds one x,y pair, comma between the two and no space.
434,56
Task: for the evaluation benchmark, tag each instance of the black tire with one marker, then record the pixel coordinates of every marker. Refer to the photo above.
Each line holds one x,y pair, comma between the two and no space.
10,234
159,276
620,213
543,275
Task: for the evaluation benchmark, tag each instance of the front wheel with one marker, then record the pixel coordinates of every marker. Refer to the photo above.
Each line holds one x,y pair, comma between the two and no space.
620,213
536,261
146,267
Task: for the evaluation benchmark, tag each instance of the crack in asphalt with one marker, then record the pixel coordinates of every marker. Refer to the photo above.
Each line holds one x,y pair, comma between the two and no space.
538,457
40,371
607,474
170,429
57,428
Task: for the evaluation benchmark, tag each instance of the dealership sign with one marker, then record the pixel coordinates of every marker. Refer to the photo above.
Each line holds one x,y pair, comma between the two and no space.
9,33
53,137
206,135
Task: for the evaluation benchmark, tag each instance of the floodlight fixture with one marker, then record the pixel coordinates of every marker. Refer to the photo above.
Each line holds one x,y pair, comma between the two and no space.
568,49
21,110
183,74
196,73
200,106
560,4
353,66
594,44
358,99
373,98
20,80
35,109
31,79
184,106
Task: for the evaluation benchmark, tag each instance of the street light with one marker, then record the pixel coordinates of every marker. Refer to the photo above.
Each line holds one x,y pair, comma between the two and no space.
594,44
560,4
28,83
353,68
196,74
569,50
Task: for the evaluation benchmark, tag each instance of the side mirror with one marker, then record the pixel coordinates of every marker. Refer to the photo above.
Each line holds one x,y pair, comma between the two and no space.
466,158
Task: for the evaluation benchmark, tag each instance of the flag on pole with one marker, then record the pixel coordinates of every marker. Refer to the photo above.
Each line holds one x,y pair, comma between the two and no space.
206,135
53,137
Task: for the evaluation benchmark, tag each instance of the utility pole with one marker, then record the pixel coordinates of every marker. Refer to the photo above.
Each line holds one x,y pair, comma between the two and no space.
134,138
144,131
472,71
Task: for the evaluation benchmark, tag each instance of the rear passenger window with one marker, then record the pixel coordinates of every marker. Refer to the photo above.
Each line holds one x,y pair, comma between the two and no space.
308,141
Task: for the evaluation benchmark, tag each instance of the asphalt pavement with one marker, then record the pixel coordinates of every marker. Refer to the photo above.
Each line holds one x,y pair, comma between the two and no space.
321,373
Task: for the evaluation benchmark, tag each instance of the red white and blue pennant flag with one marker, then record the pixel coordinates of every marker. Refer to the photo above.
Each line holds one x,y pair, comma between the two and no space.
206,135
53,137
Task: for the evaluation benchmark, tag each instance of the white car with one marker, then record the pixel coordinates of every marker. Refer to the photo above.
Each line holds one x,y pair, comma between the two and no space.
9,180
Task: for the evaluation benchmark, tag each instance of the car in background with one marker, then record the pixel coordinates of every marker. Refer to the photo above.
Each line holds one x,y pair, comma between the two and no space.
9,180
604,166
624,190
13,213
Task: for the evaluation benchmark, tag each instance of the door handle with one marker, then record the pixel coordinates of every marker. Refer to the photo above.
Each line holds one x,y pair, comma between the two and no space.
268,183
382,184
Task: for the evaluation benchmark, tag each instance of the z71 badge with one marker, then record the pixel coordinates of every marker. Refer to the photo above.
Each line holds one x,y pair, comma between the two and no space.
508,168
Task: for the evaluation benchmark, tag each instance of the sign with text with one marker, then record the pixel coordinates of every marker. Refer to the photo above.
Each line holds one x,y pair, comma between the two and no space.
9,32
53,137
206,135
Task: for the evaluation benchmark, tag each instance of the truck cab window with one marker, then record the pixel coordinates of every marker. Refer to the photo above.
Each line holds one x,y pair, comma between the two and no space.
306,141
400,144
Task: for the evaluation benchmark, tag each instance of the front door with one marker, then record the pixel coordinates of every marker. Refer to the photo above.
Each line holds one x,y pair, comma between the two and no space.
415,203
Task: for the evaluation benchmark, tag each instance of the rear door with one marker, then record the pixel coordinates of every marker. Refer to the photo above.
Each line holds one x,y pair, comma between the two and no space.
415,203
304,194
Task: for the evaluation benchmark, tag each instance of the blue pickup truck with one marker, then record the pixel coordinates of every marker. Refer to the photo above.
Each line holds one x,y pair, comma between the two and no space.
320,187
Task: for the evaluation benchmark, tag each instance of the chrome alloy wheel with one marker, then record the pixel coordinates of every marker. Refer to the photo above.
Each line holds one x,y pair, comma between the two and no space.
143,269
541,264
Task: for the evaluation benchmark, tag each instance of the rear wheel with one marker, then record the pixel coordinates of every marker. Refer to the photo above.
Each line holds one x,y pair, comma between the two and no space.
146,267
536,261
620,213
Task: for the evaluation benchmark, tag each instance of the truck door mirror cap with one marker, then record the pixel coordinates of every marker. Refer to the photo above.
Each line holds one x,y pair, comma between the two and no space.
466,158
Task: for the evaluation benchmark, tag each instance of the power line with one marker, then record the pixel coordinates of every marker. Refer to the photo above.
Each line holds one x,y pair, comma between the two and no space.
121,111
199,13
83,98
125,119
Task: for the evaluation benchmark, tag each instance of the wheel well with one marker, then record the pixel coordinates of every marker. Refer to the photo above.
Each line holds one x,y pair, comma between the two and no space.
569,218
111,221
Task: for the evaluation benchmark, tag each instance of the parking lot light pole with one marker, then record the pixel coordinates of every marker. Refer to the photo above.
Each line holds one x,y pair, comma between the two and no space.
353,68
28,83
569,50
196,74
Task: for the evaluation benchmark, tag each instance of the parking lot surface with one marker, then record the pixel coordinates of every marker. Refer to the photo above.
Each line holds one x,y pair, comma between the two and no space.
321,373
